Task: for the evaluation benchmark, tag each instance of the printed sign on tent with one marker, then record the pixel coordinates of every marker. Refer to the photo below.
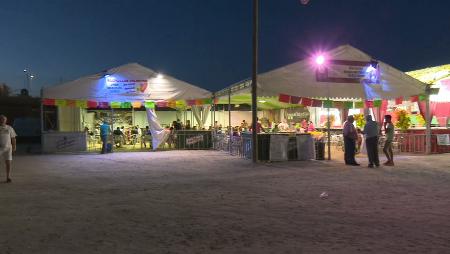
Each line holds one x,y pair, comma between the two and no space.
125,86
342,71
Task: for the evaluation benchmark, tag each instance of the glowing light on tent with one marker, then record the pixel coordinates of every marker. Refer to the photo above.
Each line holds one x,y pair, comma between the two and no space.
262,101
159,76
320,60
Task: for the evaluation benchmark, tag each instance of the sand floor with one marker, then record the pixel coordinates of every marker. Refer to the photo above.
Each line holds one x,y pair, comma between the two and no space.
210,202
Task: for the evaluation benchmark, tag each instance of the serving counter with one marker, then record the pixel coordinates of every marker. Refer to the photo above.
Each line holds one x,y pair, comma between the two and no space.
283,146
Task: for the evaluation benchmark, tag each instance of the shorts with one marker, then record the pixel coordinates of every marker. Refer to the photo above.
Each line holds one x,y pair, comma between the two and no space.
6,154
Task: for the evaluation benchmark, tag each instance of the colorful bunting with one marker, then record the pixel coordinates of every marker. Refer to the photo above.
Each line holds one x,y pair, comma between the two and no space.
368,104
150,104
307,102
377,103
398,100
125,105
48,102
172,104
92,104
207,101
338,104
81,103
422,97
104,104
414,98
284,98
295,99
162,104
71,103
115,104
316,103
348,104
136,104
359,104
190,102
60,103
327,104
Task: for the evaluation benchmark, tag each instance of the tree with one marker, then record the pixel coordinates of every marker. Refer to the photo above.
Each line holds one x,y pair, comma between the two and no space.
4,90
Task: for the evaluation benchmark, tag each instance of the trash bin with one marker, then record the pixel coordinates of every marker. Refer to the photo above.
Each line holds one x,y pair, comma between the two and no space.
320,150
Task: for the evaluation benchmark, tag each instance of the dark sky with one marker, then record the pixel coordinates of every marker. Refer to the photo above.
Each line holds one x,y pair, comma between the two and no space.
208,42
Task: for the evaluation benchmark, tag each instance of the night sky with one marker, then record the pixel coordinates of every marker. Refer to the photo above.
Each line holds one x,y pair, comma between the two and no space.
208,42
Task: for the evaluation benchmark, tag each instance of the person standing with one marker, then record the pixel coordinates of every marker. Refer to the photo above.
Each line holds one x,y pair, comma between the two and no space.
104,135
389,132
7,145
371,131
350,137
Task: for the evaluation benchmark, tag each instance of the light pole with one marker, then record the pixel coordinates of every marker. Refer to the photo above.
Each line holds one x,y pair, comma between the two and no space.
255,80
28,80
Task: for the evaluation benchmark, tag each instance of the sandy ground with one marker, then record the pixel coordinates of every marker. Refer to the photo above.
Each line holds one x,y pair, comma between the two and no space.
209,202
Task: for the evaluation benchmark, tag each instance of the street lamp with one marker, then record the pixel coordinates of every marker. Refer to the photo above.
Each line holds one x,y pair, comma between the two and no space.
255,75
28,79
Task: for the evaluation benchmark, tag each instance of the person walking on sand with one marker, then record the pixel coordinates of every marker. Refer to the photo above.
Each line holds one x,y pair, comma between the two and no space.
350,137
371,131
389,132
7,145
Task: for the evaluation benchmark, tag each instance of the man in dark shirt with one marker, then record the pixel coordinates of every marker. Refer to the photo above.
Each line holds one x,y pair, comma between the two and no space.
350,137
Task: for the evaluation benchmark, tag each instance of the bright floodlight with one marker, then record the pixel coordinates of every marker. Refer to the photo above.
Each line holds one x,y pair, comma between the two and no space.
160,76
320,60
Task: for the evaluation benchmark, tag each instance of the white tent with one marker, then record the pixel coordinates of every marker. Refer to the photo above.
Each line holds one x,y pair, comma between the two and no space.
126,83
345,69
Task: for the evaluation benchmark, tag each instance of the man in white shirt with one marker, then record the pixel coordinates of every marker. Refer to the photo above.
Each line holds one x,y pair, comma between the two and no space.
7,145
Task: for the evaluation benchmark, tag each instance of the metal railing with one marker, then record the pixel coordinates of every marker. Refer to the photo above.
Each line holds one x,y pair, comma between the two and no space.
416,143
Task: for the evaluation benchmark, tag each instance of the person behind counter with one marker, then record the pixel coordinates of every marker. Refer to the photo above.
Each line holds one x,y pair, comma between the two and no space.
188,125
283,126
310,127
244,125
258,126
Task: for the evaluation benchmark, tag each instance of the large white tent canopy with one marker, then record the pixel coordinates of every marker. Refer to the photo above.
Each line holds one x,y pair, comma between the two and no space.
300,79
127,82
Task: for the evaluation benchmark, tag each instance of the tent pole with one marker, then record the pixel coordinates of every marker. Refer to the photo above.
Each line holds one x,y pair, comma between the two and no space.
428,121
112,128
255,80
132,116
214,111
328,132
230,129
42,120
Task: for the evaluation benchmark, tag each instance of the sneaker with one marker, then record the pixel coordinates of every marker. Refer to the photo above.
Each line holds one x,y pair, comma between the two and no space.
389,164
370,166
8,180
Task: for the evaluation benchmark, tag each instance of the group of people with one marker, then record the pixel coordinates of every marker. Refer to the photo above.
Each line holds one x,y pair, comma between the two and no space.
371,133
131,135
121,135
302,127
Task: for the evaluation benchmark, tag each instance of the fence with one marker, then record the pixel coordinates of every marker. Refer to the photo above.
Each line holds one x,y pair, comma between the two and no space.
416,143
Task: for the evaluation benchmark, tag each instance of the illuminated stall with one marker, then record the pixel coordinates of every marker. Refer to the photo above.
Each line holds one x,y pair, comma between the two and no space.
328,86
126,97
